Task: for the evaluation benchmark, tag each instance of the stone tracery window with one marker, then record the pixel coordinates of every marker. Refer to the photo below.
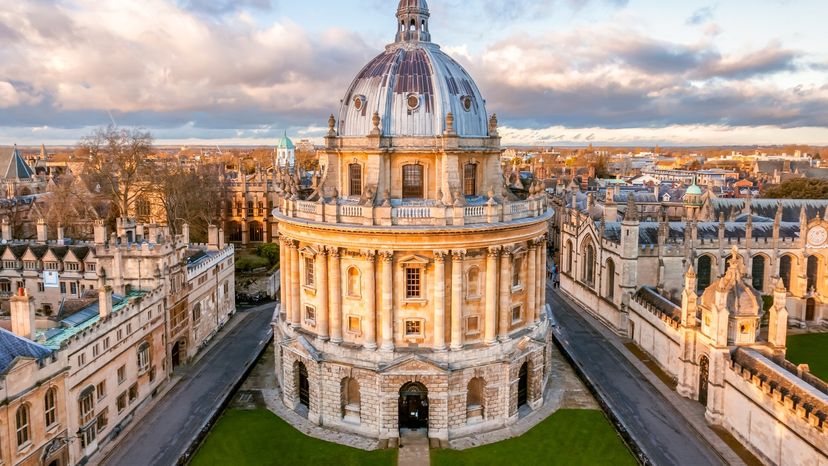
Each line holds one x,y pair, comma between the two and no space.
785,264
22,425
588,275
50,407
610,293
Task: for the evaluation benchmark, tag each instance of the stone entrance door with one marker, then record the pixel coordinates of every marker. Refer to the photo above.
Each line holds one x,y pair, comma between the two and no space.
704,374
304,386
176,353
810,309
523,385
413,406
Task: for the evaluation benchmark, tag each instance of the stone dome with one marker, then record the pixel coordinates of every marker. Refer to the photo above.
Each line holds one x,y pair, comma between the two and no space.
412,86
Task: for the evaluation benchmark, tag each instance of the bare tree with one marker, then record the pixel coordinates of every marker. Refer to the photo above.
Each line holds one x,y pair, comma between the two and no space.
119,160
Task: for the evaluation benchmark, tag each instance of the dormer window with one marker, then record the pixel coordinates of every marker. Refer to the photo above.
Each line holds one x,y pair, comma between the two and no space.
30,265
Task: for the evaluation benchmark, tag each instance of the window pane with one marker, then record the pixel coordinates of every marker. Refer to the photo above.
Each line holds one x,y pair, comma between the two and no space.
355,175
413,181
470,179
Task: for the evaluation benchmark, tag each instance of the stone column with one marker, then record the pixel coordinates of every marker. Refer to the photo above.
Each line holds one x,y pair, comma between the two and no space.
490,319
295,286
542,273
457,299
284,271
369,331
387,259
532,282
439,300
505,294
335,295
322,293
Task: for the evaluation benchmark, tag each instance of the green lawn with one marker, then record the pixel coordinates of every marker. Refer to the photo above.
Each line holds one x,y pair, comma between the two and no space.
568,437
260,437
811,349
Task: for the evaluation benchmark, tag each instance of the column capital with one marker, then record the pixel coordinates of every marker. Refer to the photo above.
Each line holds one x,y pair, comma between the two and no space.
507,251
386,256
292,243
440,255
322,251
458,254
333,251
493,251
368,254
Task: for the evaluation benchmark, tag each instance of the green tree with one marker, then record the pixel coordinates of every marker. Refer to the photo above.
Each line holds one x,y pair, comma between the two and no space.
799,188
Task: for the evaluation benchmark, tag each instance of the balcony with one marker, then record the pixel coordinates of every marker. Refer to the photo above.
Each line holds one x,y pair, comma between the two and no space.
478,211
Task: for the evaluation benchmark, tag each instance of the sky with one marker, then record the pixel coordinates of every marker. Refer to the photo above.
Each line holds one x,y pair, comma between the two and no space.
556,72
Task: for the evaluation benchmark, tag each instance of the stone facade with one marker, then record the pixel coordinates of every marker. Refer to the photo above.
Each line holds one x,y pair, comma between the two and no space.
412,284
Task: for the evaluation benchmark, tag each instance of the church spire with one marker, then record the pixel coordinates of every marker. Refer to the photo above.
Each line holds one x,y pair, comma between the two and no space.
412,21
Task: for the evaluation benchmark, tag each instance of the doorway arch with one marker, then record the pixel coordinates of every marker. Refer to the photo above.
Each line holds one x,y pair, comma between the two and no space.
810,309
413,409
302,384
178,353
704,375
523,385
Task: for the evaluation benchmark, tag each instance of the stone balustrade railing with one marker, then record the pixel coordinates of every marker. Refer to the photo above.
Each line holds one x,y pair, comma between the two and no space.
411,215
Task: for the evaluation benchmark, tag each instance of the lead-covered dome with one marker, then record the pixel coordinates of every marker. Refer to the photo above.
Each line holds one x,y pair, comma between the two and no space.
413,86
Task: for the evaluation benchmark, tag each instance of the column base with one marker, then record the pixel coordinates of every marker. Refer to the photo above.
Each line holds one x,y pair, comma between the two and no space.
441,349
294,325
456,348
491,342
503,339
387,348
336,340
323,338
370,346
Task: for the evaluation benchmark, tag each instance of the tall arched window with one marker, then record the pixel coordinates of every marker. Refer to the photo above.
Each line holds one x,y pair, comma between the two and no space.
50,407
569,257
22,424
588,270
354,288
813,270
355,179
785,271
350,398
703,272
475,398
413,181
757,272
470,179
610,292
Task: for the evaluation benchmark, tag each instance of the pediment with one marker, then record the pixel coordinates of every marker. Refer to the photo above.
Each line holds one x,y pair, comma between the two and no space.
413,365
414,260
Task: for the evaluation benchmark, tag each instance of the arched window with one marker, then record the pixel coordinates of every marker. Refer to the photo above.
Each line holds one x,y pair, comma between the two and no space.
355,179
413,25
726,262
785,271
470,179
350,398
475,399
354,284
588,269
569,257
473,283
757,272
22,424
86,405
610,291
703,272
142,207
143,356
196,313
813,270
413,181
50,407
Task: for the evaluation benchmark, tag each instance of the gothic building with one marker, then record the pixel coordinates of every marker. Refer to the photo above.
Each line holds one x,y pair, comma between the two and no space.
412,284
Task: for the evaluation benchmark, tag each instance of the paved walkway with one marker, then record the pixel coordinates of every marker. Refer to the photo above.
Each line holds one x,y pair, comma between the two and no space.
168,429
657,426
414,450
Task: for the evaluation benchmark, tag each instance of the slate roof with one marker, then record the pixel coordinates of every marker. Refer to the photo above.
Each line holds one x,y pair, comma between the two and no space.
767,207
648,231
13,347
652,297
12,165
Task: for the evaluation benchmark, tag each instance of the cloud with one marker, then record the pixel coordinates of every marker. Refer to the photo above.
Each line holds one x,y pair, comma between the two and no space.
222,7
701,16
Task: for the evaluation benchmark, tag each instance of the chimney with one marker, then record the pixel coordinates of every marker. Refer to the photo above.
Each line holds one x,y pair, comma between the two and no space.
100,232
5,229
221,238
104,300
185,232
213,237
42,232
23,314
60,234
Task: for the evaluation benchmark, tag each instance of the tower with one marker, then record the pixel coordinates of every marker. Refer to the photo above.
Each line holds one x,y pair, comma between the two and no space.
286,153
412,21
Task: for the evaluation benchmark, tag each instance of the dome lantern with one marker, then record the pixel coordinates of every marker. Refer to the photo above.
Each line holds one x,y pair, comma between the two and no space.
412,21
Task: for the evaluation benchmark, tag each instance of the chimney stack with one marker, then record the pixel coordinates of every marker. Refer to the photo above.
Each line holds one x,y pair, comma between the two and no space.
221,238
60,234
23,314
100,232
213,238
5,229
185,232
42,231
104,299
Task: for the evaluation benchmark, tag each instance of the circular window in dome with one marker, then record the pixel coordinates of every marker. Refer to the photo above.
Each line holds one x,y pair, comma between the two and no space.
466,101
413,101
359,102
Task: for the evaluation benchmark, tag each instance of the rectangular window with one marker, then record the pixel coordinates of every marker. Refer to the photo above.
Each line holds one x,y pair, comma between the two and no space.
517,313
354,324
129,329
30,265
81,359
40,287
50,407
106,343
133,392
72,266
102,420
95,350
62,287
121,374
73,288
22,418
119,335
472,325
413,282
309,277
152,374
101,389
87,406
88,436
470,179
414,328
9,264
355,179
413,181
516,266
51,265
121,403
90,267
310,315
143,357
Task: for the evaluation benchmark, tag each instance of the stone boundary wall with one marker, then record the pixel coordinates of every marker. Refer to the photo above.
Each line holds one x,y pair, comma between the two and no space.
657,335
597,306
773,423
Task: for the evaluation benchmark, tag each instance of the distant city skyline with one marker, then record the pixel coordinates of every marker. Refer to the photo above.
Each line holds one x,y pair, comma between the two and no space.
557,72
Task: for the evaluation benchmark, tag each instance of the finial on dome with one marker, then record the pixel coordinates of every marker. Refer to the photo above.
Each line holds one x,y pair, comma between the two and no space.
450,123
375,120
331,125
493,125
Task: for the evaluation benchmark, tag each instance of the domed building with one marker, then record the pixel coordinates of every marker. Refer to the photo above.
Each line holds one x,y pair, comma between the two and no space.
413,278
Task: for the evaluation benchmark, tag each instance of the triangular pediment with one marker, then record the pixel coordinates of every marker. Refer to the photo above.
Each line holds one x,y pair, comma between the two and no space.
414,260
413,364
